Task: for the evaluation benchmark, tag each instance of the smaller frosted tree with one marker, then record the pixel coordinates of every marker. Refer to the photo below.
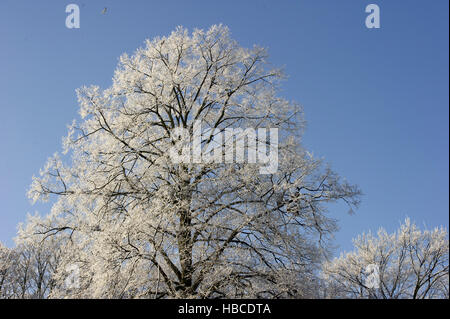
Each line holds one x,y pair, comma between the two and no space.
6,272
409,263
26,271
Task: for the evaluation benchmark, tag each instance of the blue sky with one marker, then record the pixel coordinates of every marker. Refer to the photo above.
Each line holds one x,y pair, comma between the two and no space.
376,101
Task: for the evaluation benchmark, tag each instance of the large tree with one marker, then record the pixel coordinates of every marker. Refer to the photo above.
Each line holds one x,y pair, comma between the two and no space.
409,263
140,224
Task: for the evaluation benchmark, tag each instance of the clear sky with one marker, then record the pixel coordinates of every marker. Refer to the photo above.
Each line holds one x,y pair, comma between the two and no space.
376,101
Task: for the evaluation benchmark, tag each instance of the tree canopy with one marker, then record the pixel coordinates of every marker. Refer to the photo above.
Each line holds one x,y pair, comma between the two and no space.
139,225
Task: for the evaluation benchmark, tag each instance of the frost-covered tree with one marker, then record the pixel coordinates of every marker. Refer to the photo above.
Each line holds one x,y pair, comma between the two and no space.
37,259
140,225
7,257
409,263
27,270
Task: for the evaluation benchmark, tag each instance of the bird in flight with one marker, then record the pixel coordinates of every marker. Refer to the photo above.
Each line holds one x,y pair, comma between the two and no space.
104,10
